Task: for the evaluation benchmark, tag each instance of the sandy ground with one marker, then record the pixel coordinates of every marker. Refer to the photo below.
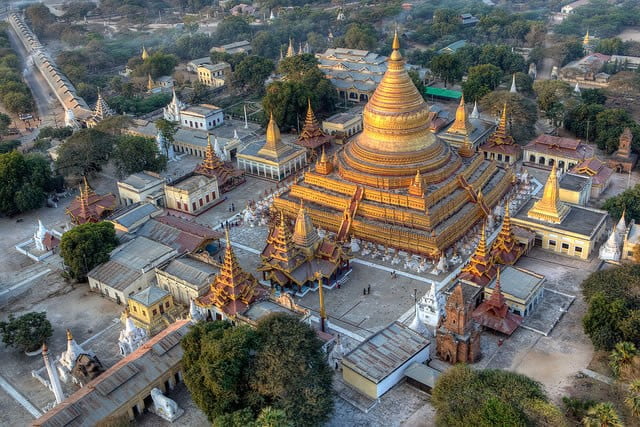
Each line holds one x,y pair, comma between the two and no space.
630,34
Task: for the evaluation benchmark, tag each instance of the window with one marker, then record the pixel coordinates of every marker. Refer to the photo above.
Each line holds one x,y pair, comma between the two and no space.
200,201
578,249
552,243
565,246
135,309
507,159
207,198
144,313
166,304
532,158
179,205
155,312
193,205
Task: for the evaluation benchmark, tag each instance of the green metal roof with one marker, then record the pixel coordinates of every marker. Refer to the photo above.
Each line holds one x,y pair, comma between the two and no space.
443,93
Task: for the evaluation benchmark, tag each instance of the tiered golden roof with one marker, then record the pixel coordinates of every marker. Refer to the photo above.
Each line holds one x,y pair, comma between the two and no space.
505,249
501,135
145,54
273,146
290,50
311,135
481,269
228,177
549,208
323,165
233,289
396,183
304,233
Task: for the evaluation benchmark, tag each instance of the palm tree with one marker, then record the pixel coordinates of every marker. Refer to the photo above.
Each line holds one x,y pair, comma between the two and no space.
633,398
621,356
602,415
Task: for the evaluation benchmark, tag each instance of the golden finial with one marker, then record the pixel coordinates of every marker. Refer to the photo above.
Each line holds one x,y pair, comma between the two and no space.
396,42
69,335
145,54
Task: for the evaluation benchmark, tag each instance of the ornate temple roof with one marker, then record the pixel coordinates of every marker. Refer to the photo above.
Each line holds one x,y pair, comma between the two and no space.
481,268
213,166
102,109
311,135
594,168
89,206
304,233
233,289
505,249
549,208
501,141
494,312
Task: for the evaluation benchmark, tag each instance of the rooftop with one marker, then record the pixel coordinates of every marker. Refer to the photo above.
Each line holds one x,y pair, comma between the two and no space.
518,282
558,146
132,214
260,309
201,110
192,271
121,383
384,352
341,118
180,234
192,183
573,182
140,253
142,180
216,67
150,296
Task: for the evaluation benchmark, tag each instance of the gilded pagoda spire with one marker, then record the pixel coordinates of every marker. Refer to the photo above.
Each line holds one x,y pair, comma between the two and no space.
304,233
102,109
505,249
586,40
549,208
281,243
481,269
323,165
290,50
311,128
461,124
211,160
273,146
145,54
416,188
150,82
501,136
497,298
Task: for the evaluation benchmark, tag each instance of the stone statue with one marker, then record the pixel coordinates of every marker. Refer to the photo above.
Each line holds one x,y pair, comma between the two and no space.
164,407
355,247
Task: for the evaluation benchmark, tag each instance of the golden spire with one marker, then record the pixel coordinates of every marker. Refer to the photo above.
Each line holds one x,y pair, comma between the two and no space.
549,208
84,200
586,39
150,83
290,51
69,335
416,188
304,233
505,249
481,250
324,166
461,124
311,129
323,312
145,54
273,146
211,161
323,156
501,136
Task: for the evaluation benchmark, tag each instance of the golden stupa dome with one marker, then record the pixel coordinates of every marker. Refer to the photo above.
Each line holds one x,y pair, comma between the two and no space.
396,140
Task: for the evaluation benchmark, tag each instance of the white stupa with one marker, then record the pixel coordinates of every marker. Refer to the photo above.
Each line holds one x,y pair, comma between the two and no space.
69,357
39,235
577,88
475,114
514,88
218,150
610,251
621,227
172,111
430,307
417,324
131,337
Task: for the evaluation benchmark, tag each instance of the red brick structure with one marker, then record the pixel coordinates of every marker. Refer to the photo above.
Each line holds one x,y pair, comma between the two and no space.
458,338
623,160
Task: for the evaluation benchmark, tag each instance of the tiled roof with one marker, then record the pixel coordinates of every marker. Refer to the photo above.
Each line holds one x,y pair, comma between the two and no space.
150,295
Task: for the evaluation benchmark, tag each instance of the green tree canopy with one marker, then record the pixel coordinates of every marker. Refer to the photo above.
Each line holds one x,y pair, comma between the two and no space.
86,246
157,64
447,67
250,74
85,152
464,396
27,332
232,29
23,182
133,154
481,80
359,36
275,375
610,124
602,415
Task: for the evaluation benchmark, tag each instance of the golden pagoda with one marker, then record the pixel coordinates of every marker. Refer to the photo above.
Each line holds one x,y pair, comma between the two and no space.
505,249
273,146
461,124
232,290
466,149
500,145
228,177
150,83
290,50
371,191
323,165
296,260
549,208
586,41
311,136
145,54
481,269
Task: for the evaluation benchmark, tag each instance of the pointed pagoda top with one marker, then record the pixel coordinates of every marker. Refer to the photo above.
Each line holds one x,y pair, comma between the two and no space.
549,208
497,298
211,160
416,188
323,156
461,124
475,114
395,45
621,227
290,51
481,269
69,335
514,88
501,135
145,54
273,146
150,82
304,233
481,250
102,109
586,40
311,129
576,89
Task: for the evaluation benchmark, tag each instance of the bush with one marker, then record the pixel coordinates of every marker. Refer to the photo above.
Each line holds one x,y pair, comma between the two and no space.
27,332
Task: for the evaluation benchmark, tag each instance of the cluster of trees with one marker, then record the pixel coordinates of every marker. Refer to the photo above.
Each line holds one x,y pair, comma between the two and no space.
521,112
47,27
138,104
27,332
613,313
157,64
601,18
615,46
491,397
86,246
88,150
24,182
287,99
628,202
15,95
239,376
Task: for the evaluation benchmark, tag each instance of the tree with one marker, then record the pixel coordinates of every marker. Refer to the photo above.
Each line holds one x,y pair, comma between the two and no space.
627,201
622,356
613,46
168,131
40,18
602,321
27,332
157,64
273,375
133,154
17,102
55,133
23,181
581,120
85,152
5,122
521,112
464,396
114,125
86,246
250,74
633,398
233,28
481,79
610,123
359,36
298,66
447,67
265,44
551,95
593,96
602,415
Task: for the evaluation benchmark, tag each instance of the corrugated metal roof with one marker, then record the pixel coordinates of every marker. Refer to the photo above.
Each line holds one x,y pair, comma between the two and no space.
384,352
150,295
192,271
